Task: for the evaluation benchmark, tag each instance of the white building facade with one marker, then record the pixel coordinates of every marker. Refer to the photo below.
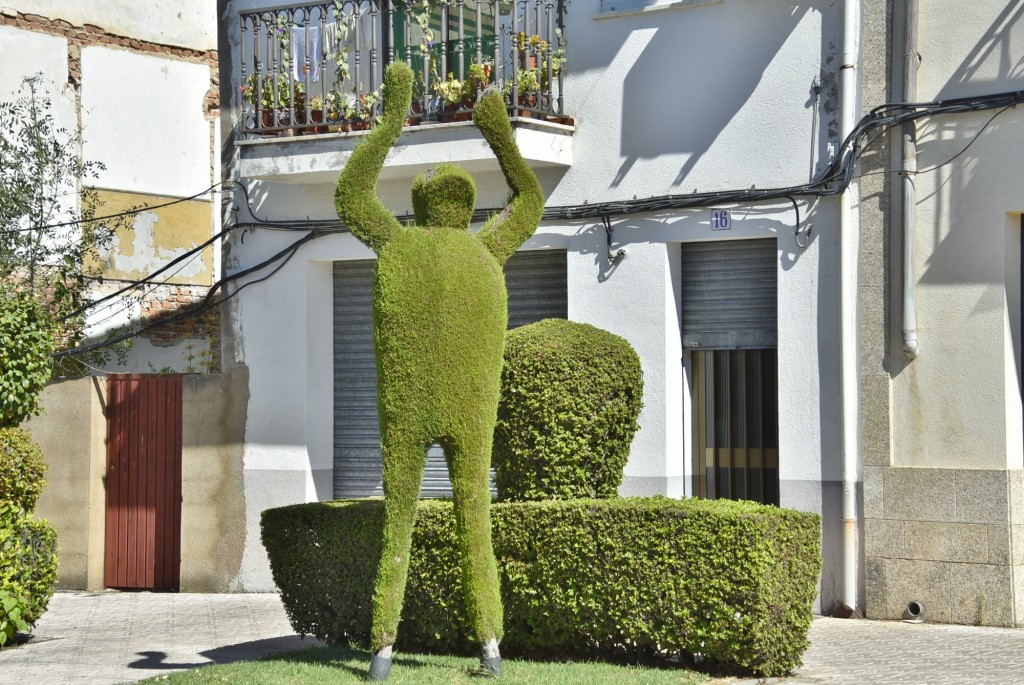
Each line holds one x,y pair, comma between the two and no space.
657,100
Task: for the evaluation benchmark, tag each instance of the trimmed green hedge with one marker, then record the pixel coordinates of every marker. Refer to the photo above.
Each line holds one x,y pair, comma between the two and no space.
28,559
732,581
570,397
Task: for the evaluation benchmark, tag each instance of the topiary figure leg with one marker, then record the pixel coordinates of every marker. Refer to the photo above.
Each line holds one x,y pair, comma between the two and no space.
405,457
469,458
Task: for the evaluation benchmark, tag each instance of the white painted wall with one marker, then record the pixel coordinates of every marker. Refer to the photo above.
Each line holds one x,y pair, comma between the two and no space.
959,404
143,118
664,102
27,54
24,54
183,23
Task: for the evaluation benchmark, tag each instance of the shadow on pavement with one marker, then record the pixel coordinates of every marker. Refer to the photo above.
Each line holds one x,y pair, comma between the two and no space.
243,651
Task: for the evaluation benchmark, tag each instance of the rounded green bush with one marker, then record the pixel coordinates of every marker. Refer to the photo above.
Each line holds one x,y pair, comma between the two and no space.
21,468
570,397
26,342
28,559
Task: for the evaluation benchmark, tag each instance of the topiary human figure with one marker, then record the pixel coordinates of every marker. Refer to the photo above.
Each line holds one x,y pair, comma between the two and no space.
439,315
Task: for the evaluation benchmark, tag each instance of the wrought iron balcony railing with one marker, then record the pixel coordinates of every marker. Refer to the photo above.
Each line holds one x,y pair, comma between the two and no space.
317,68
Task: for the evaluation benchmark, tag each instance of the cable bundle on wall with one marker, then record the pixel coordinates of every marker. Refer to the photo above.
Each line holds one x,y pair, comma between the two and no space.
832,181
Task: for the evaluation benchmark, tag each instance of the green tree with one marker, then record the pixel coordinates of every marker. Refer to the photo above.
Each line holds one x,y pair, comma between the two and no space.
48,226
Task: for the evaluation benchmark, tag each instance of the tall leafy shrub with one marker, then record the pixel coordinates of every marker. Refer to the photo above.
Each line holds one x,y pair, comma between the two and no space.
25,346
21,469
570,397
28,546
28,559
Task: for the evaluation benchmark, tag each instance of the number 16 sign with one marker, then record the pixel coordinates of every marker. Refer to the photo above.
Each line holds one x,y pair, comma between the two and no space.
721,220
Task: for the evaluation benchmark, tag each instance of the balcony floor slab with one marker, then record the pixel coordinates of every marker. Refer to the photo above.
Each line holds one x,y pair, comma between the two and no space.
314,159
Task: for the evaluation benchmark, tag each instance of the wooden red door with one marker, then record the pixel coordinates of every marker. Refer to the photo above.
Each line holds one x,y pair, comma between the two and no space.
143,527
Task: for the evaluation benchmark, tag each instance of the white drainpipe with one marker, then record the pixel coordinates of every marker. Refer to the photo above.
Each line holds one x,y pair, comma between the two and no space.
848,318
911,61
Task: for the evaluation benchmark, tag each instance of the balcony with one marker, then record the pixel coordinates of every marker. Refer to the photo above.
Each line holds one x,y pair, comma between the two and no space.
316,69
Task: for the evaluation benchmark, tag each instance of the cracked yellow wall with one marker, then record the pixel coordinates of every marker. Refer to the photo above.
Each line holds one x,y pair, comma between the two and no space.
157,237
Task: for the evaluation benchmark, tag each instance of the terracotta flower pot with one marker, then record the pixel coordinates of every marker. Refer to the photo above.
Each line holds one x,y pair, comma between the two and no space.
317,117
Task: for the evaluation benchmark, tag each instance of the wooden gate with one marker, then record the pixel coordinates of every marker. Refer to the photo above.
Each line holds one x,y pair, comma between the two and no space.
143,533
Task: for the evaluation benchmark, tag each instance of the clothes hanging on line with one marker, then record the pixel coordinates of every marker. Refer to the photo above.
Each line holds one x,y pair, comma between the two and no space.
306,46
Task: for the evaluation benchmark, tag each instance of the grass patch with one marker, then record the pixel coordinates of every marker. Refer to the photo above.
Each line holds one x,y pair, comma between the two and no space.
337,666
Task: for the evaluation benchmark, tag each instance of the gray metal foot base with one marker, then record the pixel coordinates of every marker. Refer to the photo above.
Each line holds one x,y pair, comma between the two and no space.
490,658
491,666
380,668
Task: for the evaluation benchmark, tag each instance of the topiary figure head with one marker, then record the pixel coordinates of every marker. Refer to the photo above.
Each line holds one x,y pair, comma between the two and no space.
444,197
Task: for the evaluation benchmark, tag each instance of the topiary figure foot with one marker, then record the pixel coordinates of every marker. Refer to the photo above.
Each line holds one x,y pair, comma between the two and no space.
490,659
380,666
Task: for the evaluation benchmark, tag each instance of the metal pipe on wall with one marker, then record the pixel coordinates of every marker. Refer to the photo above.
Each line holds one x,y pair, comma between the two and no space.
849,366
911,61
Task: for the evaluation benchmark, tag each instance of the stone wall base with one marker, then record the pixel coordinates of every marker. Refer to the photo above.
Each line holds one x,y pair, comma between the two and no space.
952,539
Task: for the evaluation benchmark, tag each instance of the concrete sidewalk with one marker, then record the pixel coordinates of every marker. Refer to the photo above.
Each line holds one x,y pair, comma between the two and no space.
109,637
848,652
114,637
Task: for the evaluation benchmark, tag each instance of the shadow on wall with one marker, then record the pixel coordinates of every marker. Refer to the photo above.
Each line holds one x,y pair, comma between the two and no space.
711,77
993,64
770,221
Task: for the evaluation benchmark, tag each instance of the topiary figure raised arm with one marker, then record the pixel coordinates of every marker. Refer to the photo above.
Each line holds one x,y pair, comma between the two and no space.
439,316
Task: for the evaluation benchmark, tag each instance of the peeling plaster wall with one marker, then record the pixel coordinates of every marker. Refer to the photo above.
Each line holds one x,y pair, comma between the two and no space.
141,85
156,237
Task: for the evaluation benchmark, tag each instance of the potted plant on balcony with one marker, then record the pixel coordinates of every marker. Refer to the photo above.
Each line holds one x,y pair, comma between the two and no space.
528,83
334,109
274,93
453,92
316,114
478,80
367,109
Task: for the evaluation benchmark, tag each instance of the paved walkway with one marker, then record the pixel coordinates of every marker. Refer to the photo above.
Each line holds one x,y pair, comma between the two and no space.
848,652
106,638
110,637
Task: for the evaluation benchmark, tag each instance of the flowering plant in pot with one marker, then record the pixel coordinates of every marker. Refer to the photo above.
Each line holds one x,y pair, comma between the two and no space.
453,92
269,93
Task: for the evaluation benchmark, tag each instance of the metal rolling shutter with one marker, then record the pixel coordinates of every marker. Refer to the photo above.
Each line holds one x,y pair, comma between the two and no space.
536,282
729,295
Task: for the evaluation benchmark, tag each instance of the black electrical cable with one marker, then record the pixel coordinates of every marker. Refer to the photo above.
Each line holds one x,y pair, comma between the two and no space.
208,301
129,212
142,281
835,178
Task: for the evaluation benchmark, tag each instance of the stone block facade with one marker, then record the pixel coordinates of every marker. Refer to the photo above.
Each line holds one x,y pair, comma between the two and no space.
952,539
